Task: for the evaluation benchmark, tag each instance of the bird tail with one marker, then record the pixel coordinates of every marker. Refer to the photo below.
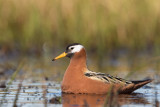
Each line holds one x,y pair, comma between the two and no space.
138,84
135,85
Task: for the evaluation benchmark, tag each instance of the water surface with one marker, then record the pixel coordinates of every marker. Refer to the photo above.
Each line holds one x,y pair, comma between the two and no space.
41,93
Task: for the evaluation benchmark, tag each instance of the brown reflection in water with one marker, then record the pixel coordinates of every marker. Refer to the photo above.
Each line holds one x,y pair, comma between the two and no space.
82,100
93,100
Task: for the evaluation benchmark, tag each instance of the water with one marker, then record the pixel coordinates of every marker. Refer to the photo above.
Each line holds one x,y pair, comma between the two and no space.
35,93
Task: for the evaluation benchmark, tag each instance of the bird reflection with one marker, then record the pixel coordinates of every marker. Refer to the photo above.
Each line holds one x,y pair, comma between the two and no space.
94,100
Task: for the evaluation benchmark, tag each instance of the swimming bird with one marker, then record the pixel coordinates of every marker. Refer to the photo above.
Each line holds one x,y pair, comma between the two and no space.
78,79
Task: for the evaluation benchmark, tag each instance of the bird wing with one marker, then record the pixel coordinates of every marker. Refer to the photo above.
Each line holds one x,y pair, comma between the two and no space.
106,78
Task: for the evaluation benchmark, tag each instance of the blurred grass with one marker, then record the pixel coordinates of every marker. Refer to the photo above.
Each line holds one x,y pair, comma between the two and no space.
106,28
31,25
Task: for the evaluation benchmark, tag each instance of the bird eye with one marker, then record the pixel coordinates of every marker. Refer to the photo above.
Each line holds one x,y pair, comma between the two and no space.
72,48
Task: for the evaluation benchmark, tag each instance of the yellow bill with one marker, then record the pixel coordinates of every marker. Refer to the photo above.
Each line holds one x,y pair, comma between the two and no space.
60,56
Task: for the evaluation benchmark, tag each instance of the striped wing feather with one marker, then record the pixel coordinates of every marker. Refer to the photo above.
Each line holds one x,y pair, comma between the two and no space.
106,78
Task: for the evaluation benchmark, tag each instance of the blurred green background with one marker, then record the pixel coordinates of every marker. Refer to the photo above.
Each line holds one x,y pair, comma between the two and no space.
125,30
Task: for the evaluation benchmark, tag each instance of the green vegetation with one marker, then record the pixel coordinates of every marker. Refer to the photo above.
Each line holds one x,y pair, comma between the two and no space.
101,25
127,31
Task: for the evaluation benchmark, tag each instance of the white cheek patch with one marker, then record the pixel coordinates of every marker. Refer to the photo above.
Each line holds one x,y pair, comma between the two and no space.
77,48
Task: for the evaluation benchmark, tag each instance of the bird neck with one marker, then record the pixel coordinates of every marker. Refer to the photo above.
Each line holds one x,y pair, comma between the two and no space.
76,69
78,62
